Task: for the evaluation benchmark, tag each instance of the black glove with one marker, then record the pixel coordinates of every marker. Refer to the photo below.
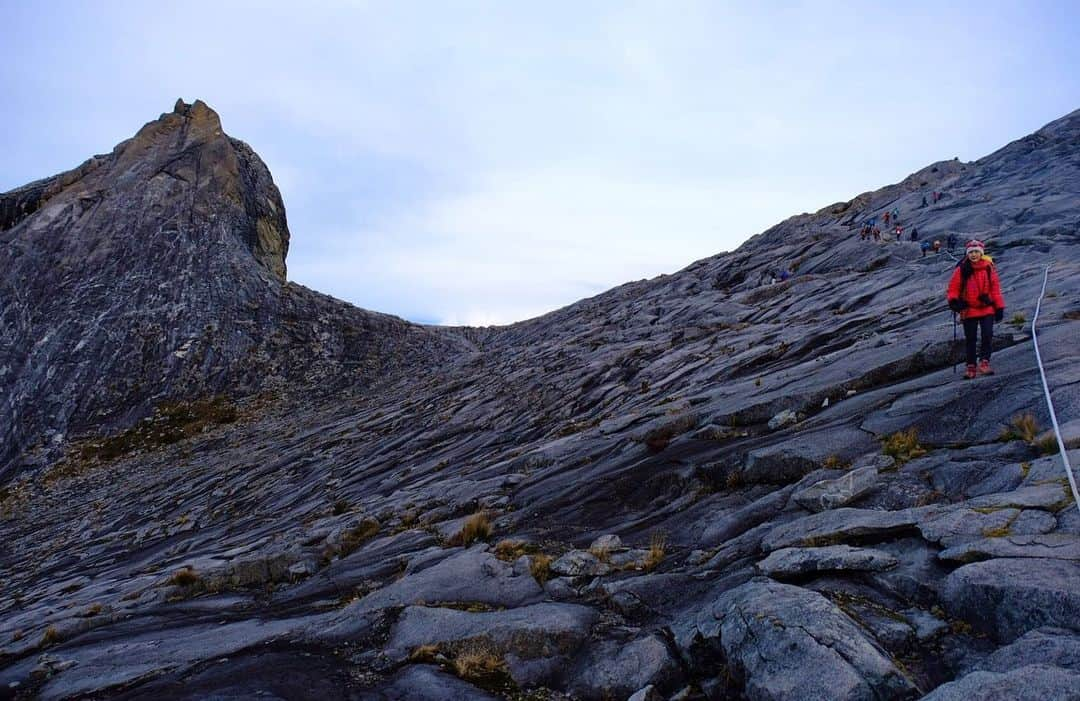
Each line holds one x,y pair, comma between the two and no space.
984,299
999,314
957,305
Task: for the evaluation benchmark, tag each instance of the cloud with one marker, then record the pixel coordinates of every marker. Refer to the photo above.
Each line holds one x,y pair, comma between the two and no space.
527,242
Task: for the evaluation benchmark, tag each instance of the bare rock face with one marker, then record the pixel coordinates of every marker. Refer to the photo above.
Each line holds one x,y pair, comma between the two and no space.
215,483
155,273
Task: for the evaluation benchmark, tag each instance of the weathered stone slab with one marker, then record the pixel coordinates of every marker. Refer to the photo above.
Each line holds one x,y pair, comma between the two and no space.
1007,597
793,562
830,527
1053,646
831,494
1032,683
529,632
955,525
1062,546
1052,496
787,642
617,670
579,563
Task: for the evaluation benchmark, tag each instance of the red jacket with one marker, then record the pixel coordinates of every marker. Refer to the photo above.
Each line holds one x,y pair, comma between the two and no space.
983,280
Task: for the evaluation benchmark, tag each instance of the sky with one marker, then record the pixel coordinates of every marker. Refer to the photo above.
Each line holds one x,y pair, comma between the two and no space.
486,162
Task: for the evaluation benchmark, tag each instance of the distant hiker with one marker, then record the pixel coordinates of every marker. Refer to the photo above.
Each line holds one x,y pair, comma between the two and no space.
924,202
950,241
937,245
924,247
975,293
784,275
896,215
914,233
899,233
886,218
877,233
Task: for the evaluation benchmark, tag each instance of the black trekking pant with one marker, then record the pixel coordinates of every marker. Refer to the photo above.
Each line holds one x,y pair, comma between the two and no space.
985,325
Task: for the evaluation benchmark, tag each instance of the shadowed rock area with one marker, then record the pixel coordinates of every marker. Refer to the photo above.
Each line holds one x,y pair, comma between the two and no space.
708,485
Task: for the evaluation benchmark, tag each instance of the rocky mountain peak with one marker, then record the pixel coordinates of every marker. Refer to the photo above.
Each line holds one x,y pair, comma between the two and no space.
155,271
720,483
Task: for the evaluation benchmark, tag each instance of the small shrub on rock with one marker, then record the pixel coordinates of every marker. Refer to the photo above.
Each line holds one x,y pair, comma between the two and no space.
50,637
601,553
509,549
903,446
186,577
1022,427
425,654
657,550
352,539
835,462
477,527
1048,445
481,665
540,567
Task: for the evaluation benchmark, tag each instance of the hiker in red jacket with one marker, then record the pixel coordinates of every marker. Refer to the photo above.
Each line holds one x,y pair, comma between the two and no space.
975,292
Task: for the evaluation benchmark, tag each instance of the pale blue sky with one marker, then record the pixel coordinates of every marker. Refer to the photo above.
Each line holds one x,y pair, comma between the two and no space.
483,162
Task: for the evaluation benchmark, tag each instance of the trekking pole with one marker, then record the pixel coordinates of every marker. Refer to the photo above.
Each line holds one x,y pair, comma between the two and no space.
953,348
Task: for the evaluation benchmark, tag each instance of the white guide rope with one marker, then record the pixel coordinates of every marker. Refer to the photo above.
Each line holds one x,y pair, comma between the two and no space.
1046,390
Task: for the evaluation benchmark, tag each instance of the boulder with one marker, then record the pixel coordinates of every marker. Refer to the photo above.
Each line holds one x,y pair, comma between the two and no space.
776,465
786,642
830,494
787,417
608,543
794,562
829,527
539,631
1036,682
1007,597
1053,646
953,525
1063,546
1052,496
579,563
617,670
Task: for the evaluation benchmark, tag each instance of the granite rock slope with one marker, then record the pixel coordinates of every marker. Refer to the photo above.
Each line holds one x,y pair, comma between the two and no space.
157,272
701,486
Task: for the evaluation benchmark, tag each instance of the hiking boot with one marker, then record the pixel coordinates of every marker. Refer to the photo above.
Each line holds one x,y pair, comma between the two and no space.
984,368
970,373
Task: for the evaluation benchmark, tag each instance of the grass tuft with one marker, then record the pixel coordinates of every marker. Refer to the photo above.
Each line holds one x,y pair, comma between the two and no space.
903,446
352,539
424,654
1022,427
657,549
601,553
1048,445
481,665
509,549
835,462
186,577
540,567
477,527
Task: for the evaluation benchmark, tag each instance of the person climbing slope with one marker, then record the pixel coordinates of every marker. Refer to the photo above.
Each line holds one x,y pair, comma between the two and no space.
975,292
